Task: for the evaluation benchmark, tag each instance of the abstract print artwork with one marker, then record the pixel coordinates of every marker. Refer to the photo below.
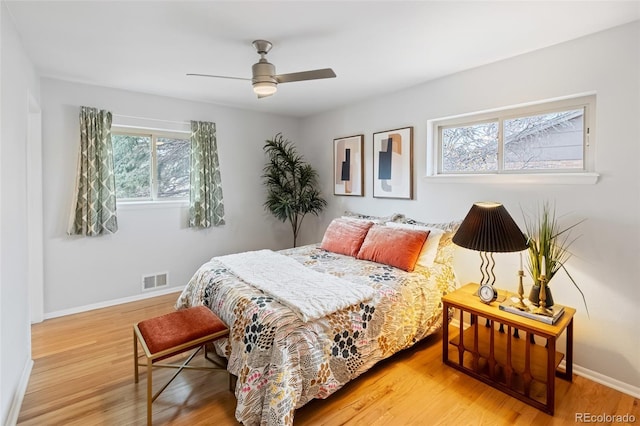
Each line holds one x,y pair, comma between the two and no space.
348,169
393,163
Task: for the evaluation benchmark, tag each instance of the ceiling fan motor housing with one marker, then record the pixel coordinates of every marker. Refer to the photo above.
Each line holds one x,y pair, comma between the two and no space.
263,72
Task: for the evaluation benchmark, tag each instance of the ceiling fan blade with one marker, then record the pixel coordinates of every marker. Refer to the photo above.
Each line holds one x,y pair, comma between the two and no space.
218,76
305,75
264,96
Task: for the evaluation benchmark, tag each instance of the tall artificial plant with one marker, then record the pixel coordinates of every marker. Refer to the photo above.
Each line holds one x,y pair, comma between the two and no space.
291,183
546,239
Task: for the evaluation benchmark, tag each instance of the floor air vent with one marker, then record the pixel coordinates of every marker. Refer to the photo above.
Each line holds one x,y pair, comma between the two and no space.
149,282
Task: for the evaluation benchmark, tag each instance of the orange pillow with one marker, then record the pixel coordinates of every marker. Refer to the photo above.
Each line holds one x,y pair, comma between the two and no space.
345,236
393,246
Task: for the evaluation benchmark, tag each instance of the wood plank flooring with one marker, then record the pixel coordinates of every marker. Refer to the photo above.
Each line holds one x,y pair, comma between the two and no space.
83,375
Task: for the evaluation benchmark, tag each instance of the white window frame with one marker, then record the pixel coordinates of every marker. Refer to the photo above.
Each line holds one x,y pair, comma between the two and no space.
571,176
154,134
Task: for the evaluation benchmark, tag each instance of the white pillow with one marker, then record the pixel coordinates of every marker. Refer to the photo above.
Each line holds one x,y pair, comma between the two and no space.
430,247
375,219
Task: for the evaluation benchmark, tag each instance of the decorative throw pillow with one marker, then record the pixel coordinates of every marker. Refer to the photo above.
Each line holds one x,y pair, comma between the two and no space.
375,219
345,236
446,248
393,246
430,247
445,226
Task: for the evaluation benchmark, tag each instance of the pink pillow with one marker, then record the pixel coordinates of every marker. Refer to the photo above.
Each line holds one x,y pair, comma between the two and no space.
393,246
430,247
345,236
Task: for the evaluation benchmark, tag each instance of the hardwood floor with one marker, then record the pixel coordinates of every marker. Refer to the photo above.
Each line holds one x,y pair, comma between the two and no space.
83,375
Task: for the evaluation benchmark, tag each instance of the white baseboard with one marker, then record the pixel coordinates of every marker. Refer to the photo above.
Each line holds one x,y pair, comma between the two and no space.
91,307
607,381
18,397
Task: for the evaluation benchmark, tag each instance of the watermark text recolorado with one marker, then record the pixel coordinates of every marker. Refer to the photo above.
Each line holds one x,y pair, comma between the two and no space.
604,418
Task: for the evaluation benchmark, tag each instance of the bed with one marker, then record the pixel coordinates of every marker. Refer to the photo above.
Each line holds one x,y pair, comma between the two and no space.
283,360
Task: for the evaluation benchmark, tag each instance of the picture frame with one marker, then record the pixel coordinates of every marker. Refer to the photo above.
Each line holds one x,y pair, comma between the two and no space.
393,164
348,166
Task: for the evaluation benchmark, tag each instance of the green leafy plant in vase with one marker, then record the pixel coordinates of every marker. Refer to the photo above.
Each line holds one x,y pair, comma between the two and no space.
548,251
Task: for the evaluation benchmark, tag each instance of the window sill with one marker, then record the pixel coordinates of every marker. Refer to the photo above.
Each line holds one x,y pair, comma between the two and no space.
586,178
133,205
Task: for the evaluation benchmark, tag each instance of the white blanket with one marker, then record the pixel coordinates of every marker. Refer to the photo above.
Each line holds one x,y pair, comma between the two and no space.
308,293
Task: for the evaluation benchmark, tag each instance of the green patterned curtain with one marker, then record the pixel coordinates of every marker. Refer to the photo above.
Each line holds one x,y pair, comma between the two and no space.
94,208
205,208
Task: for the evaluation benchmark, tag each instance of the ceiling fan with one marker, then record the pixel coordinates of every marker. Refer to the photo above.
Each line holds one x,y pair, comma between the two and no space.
265,81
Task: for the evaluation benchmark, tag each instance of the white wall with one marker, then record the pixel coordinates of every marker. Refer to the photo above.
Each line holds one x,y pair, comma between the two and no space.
607,262
18,82
84,271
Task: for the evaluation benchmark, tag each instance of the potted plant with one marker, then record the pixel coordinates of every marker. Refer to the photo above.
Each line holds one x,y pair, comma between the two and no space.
291,184
548,251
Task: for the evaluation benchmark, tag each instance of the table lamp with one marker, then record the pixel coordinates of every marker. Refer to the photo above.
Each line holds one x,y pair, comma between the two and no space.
488,228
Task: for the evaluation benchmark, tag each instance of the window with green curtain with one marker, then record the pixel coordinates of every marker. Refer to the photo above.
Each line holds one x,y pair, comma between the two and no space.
94,208
205,206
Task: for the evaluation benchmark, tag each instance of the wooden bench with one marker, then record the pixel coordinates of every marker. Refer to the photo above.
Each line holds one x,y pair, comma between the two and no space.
169,335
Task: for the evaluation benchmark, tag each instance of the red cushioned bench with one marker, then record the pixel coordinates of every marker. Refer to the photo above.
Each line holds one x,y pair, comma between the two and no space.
172,334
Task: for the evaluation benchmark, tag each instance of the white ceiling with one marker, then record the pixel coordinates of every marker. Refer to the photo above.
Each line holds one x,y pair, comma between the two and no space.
374,47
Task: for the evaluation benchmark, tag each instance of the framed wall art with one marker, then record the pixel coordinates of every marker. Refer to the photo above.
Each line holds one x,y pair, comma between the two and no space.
393,163
348,165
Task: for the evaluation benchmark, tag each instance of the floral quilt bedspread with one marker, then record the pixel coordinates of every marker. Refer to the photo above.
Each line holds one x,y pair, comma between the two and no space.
282,363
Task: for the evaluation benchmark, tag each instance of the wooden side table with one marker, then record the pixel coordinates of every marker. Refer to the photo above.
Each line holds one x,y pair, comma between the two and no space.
516,365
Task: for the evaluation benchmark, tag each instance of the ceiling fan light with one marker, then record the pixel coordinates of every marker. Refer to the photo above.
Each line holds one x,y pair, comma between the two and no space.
264,88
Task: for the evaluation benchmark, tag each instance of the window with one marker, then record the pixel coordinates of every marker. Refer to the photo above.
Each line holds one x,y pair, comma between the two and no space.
550,137
151,166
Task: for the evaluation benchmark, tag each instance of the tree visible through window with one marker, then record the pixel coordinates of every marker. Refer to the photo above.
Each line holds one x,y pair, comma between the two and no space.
173,167
518,140
547,141
150,166
470,148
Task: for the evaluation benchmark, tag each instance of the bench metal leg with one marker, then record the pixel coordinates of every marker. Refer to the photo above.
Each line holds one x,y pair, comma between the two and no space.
135,356
149,391
152,397
180,368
